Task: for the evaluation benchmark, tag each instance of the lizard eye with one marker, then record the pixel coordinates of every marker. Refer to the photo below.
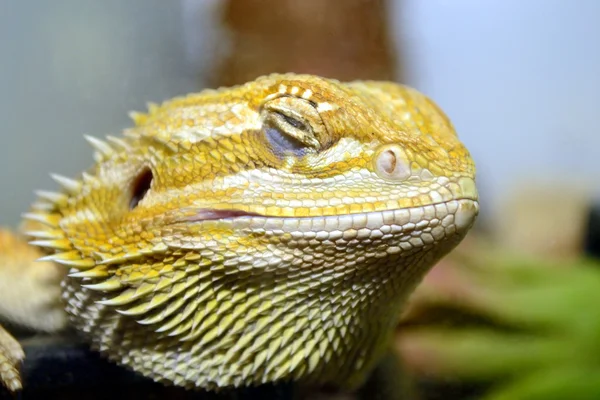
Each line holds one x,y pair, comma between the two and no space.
292,126
295,123
140,187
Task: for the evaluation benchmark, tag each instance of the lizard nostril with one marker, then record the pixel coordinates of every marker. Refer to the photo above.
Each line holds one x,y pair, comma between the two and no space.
140,187
392,163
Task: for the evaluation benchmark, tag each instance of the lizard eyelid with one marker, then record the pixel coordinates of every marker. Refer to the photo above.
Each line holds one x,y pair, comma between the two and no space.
290,126
294,122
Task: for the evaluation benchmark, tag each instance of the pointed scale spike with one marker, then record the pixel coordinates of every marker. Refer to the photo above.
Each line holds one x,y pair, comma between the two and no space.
86,177
205,335
108,285
70,258
125,297
137,117
129,295
57,244
52,197
119,258
101,146
96,272
179,380
49,234
260,359
298,355
179,317
278,361
70,185
182,328
157,299
152,107
51,220
131,133
166,312
135,311
118,142
43,206
189,374
281,364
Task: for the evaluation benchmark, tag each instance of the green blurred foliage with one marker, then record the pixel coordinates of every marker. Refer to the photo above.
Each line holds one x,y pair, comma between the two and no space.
530,327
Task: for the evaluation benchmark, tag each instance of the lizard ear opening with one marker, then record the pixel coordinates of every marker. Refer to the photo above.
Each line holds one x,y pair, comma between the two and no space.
391,163
140,187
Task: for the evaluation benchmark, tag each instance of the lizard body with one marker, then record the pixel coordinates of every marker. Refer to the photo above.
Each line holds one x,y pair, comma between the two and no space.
270,231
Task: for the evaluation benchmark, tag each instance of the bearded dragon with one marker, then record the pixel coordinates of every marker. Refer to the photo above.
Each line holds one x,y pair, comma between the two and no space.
266,232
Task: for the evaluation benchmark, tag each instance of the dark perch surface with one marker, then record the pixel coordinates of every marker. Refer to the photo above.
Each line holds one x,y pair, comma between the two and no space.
61,367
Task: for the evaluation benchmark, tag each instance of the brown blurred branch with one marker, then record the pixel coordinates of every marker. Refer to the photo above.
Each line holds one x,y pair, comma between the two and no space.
343,39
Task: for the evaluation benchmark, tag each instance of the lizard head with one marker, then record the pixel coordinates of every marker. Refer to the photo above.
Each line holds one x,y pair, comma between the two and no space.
262,232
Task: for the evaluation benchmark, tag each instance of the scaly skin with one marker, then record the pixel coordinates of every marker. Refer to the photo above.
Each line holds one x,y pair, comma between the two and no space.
266,232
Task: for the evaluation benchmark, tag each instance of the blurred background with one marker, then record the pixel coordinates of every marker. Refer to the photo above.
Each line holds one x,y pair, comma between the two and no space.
519,79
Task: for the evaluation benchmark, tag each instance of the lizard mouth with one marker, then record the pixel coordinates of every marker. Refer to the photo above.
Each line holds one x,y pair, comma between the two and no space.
464,210
208,214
